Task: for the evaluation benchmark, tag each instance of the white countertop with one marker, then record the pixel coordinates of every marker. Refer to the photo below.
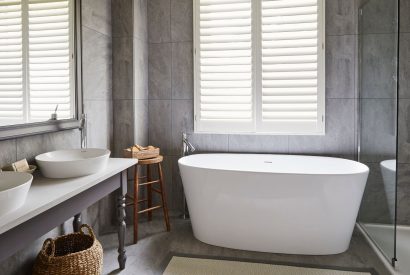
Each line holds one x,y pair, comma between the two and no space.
46,193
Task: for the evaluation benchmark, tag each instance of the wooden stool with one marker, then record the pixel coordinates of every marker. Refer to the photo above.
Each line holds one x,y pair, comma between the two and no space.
135,202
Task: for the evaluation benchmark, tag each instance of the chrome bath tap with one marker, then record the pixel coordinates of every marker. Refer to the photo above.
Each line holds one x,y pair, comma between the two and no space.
187,147
83,129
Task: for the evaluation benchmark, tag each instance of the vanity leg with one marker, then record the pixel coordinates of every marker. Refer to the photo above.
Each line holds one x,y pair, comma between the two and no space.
77,222
122,258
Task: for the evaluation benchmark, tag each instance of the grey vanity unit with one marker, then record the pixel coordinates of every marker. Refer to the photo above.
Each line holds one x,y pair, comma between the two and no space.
51,202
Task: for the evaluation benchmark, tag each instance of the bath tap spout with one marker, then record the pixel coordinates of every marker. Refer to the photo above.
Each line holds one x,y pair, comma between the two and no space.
83,129
187,147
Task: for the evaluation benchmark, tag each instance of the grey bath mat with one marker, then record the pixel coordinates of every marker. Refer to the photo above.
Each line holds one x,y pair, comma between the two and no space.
194,265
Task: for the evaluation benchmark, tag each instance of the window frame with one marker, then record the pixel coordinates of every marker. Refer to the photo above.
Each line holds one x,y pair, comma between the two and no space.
258,126
34,128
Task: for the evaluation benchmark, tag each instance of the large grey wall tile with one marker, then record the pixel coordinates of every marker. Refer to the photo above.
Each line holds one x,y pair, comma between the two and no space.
8,152
96,15
159,71
122,69
99,123
178,189
378,72
341,17
307,145
159,23
339,138
182,121
122,18
140,19
404,18
182,71
404,65
404,131
160,119
378,136
181,20
97,64
31,146
169,188
340,66
140,69
259,143
340,133
123,125
374,207
209,142
379,16
403,195
141,122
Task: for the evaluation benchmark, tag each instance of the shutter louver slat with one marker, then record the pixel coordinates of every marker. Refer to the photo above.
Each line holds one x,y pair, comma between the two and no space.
289,61
11,63
49,59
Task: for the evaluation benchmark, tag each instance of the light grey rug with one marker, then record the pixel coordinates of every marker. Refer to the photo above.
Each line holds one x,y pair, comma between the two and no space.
196,266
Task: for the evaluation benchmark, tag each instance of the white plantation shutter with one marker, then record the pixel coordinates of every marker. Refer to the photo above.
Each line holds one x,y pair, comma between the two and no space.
279,88
11,63
292,56
50,58
36,60
224,64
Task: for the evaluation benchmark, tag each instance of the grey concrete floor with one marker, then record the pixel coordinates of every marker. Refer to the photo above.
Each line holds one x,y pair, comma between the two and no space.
152,252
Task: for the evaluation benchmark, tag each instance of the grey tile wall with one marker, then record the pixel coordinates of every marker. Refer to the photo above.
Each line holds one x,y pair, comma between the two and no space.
130,79
341,17
378,78
403,188
377,125
374,207
159,71
97,104
340,66
380,16
170,69
130,73
159,21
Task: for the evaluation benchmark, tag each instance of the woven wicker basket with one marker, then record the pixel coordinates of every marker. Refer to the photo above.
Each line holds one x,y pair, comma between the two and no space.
74,254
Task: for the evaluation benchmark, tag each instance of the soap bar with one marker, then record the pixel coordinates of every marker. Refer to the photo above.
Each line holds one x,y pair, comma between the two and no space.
21,166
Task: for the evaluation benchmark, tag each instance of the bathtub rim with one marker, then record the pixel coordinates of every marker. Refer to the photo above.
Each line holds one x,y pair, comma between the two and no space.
181,162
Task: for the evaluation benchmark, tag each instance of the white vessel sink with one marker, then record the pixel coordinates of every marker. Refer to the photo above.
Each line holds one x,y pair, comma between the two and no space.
14,188
72,163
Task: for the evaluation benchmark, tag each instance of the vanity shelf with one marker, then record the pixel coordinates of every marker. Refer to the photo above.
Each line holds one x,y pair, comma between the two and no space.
50,202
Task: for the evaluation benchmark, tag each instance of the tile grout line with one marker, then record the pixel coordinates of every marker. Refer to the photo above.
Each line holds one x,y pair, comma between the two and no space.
92,29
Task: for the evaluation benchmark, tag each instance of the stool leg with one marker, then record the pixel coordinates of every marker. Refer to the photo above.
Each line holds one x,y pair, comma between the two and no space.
164,201
136,204
149,192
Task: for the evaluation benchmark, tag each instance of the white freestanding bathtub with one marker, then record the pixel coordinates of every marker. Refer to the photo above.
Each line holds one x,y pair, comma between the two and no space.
273,203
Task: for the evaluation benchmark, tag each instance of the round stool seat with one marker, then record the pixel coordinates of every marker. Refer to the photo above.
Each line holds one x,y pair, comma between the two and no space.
150,161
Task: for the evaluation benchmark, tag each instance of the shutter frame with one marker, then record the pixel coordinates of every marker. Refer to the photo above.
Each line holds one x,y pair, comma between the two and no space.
11,63
51,75
292,122
302,72
46,90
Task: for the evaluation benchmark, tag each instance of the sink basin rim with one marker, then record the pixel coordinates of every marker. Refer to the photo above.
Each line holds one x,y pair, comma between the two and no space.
72,163
48,157
15,196
26,178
